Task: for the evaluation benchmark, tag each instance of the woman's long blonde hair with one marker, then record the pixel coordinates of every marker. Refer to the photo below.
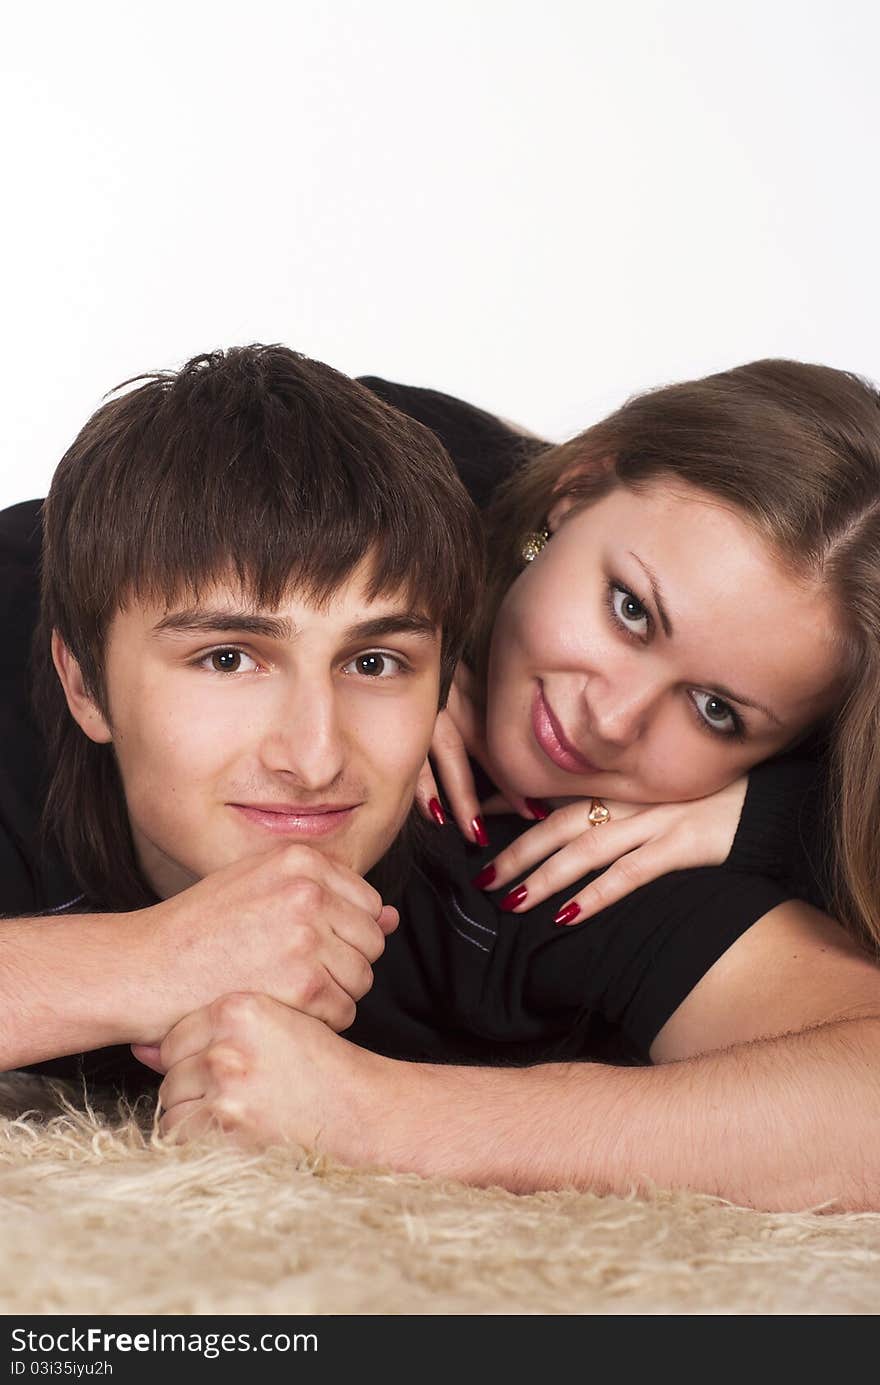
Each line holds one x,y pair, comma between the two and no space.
795,449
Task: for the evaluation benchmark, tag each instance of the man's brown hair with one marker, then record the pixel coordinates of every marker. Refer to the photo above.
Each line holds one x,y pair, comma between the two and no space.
256,463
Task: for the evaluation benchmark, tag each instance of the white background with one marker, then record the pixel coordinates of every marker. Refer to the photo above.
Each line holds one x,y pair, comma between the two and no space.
540,207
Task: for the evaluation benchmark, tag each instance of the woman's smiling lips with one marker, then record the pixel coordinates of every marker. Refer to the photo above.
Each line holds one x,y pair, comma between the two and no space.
552,739
316,820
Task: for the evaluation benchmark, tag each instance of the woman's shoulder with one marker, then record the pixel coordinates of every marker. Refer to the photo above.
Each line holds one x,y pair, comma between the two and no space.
484,448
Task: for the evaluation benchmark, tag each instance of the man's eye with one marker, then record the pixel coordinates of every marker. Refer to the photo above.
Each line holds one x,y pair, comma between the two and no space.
374,665
228,661
629,610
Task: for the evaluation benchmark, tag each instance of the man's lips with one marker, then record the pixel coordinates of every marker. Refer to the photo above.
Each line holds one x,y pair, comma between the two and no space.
314,820
553,741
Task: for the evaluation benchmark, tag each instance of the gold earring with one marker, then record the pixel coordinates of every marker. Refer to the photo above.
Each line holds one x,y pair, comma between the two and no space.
533,544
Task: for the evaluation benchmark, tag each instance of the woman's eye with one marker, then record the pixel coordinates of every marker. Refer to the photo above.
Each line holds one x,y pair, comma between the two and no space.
716,713
629,610
228,661
374,665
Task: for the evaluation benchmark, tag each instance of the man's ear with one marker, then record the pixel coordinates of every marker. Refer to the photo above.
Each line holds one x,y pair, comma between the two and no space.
83,707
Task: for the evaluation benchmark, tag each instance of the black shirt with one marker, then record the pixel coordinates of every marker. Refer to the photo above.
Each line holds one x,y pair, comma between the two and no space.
462,981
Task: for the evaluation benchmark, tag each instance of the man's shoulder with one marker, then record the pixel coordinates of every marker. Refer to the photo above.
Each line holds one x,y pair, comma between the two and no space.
34,878
21,532
20,541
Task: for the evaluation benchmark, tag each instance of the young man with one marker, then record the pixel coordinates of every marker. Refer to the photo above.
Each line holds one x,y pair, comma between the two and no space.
256,582
677,977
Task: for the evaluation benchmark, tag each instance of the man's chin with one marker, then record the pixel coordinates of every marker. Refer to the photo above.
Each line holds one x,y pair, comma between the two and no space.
352,855
347,849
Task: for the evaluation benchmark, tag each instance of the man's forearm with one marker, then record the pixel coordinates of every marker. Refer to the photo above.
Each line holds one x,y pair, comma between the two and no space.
780,1124
67,985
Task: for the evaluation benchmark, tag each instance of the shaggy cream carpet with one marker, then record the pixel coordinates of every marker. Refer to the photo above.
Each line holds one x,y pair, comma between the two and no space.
100,1217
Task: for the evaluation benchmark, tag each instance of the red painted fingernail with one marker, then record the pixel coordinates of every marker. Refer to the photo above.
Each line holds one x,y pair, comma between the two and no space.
485,877
510,901
435,808
567,913
481,836
538,808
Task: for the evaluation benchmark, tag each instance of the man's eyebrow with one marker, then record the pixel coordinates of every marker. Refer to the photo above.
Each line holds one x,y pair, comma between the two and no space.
203,620
397,623
726,693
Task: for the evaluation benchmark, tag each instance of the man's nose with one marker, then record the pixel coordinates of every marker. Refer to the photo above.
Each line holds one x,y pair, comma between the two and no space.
620,707
304,737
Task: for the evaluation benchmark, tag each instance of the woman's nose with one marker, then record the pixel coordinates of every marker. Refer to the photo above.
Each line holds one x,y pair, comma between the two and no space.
619,709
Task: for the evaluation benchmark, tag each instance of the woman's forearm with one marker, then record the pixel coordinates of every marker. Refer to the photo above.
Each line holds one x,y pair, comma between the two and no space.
780,1124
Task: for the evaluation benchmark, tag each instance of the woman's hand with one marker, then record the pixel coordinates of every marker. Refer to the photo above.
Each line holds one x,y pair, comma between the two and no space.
459,733
638,844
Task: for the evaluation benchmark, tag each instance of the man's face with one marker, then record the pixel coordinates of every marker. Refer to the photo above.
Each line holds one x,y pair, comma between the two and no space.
237,728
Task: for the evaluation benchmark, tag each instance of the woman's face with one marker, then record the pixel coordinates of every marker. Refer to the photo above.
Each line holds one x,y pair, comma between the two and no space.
654,651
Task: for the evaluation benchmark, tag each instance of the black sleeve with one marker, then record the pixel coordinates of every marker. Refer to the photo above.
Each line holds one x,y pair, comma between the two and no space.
484,448
629,967
654,947
781,832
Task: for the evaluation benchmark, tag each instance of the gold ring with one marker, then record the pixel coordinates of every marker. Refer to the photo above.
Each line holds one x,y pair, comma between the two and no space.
598,813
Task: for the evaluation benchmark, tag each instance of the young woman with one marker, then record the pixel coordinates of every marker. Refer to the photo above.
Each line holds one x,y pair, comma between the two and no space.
685,590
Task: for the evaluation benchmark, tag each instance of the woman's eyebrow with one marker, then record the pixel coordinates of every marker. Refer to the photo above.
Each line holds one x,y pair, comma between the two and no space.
655,592
719,688
730,696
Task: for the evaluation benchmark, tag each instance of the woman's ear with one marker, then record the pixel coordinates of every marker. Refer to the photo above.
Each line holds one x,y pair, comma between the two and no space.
600,480
83,707
559,509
